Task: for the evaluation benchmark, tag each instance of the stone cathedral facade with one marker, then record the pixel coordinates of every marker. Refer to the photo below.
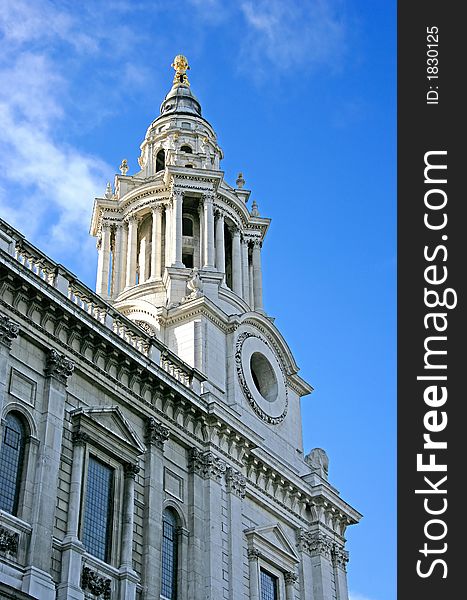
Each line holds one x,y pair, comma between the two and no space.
151,442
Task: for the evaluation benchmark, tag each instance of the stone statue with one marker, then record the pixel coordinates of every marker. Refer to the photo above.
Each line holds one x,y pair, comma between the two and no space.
318,461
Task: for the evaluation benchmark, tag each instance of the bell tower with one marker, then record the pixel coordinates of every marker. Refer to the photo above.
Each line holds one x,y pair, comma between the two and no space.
180,254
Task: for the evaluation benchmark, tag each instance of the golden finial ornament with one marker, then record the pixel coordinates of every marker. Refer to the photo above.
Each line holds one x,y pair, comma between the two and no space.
181,66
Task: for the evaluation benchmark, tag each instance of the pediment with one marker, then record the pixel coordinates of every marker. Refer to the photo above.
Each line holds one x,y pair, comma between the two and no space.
109,423
273,543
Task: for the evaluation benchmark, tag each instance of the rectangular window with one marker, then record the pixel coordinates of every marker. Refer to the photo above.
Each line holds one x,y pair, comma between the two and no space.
268,586
97,521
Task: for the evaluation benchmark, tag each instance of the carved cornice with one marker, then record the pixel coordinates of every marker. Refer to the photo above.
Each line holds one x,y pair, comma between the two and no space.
156,433
8,541
206,464
58,365
8,330
236,482
100,587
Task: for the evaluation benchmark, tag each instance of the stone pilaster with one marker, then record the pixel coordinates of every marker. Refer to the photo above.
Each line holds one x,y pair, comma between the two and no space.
317,565
177,219
117,260
253,569
132,251
201,232
36,580
290,578
72,548
236,263
8,332
103,262
127,576
236,489
245,271
257,277
156,436
123,256
220,243
340,558
168,233
208,228
205,503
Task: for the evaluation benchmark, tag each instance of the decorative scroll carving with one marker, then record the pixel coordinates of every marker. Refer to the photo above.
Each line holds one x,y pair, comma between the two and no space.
98,586
8,541
58,366
8,330
207,464
236,482
149,329
156,433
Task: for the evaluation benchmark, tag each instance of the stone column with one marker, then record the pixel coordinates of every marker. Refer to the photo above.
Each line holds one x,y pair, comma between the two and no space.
8,332
205,501
132,251
156,436
236,485
245,272
177,220
253,567
142,266
290,578
72,548
37,580
103,262
250,277
236,263
168,233
127,576
319,547
117,260
201,233
305,568
123,256
340,558
156,246
208,231
257,277
220,243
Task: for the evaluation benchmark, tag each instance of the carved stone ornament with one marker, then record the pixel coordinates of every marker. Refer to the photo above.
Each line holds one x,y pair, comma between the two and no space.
79,438
253,554
58,366
273,420
131,470
156,433
340,556
8,330
195,286
316,544
236,482
8,541
98,586
207,464
146,327
290,577
318,460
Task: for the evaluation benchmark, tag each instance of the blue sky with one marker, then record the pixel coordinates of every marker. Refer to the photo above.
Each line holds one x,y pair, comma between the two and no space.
302,96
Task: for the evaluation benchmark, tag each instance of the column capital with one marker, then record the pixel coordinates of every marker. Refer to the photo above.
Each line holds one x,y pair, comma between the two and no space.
156,433
218,213
236,482
206,464
290,577
131,218
253,554
157,208
8,330
257,244
340,556
315,544
176,192
209,196
130,470
79,438
58,366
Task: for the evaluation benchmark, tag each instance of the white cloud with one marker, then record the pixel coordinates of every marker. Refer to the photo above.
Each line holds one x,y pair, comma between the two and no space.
292,35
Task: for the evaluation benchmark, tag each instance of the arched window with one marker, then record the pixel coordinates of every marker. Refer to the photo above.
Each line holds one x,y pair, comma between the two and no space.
11,462
160,161
169,555
186,149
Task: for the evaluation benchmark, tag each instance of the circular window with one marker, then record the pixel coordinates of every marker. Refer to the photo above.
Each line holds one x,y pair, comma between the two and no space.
263,376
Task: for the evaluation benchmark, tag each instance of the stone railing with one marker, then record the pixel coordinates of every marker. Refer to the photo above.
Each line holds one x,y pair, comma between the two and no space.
57,276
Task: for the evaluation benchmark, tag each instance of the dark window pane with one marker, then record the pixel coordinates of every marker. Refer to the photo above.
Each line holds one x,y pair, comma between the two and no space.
11,463
268,586
169,555
187,226
98,509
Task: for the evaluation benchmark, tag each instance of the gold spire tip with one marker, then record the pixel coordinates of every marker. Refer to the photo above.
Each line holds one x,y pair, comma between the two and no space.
181,66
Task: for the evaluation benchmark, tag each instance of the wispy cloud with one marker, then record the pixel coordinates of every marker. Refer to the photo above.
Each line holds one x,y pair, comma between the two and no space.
358,596
293,35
